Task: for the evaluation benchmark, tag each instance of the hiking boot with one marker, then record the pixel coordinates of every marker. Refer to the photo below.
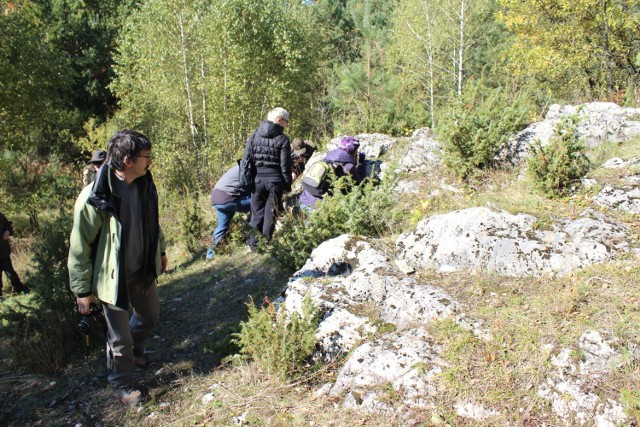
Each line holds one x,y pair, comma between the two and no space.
141,359
211,252
128,395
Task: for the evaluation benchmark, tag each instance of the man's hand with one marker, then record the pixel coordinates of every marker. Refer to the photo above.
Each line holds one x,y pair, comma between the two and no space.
165,263
5,235
84,304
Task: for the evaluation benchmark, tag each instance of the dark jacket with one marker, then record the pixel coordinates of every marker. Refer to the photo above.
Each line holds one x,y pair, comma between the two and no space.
95,257
271,152
5,225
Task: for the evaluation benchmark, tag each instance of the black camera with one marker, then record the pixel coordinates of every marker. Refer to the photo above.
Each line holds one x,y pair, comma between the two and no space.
95,315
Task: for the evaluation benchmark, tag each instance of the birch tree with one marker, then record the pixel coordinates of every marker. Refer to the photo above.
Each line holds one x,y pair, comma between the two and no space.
199,76
575,48
433,42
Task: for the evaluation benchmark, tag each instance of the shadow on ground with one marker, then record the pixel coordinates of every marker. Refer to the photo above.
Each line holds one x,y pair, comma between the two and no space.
202,304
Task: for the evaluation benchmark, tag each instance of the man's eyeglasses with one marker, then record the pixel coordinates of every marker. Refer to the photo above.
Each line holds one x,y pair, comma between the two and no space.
150,156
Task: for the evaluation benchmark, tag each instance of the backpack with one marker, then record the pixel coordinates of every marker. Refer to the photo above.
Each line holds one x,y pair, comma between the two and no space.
316,175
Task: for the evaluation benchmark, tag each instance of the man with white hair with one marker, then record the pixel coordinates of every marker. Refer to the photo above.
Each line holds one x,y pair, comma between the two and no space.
270,150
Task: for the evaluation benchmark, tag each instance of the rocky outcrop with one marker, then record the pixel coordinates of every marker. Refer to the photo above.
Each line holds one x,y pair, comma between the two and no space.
626,199
422,155
598,122
483,239
373,312
360,293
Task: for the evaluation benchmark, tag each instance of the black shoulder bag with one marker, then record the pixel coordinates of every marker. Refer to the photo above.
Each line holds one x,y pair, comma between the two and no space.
248,169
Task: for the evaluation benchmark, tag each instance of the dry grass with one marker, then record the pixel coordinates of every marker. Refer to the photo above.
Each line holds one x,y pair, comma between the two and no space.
531,319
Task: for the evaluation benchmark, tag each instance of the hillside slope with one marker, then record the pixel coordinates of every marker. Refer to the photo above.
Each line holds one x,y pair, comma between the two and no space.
490,306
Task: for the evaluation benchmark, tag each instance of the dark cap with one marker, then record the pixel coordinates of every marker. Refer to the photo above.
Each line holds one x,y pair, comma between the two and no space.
98,156
302,147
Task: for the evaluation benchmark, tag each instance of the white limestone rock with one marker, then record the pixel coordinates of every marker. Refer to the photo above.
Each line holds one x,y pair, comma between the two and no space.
599,122
406,362
358,289
624,199
570,387
483,239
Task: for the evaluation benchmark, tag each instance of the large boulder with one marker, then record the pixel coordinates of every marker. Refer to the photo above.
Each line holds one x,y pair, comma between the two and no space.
423,153
370,314
598,122
361,292
483,239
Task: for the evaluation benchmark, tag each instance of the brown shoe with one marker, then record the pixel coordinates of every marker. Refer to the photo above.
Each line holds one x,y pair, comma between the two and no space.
128,395
141,359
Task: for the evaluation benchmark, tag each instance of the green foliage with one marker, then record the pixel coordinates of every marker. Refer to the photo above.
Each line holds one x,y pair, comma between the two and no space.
198,76
35,184
561,163
35,78
435,50
278,342
361,92
359,210
191,224
631,401
83,34
473,129
576,48
236,237
41,327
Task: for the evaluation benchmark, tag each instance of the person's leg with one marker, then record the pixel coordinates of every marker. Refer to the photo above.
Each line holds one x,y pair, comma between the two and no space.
119,347
225,214
243,204
1,273
258,202
146,314
18,286
272,207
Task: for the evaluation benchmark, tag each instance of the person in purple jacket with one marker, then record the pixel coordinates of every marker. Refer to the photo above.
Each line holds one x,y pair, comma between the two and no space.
346,160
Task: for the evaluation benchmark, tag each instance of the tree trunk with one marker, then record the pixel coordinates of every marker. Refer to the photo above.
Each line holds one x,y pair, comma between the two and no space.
187,85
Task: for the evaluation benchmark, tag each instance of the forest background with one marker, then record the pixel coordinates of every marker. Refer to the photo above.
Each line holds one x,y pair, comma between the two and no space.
198,76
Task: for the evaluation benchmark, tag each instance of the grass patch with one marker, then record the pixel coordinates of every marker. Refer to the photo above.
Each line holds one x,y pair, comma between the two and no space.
530,320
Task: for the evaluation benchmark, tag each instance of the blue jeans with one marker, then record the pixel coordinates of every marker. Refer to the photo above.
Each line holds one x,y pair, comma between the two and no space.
225,215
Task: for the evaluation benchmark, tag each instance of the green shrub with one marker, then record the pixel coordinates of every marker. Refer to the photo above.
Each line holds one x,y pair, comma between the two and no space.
192,224
474,128
42,327
236,237
561,163
279,343
364,210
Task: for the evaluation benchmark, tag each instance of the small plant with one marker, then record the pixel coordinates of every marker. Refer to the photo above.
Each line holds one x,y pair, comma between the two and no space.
42,327
192,223
631,401
363,210
236,236
555,167
278,342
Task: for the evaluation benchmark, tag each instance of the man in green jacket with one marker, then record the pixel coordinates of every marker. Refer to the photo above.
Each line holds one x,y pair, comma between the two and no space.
116,252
